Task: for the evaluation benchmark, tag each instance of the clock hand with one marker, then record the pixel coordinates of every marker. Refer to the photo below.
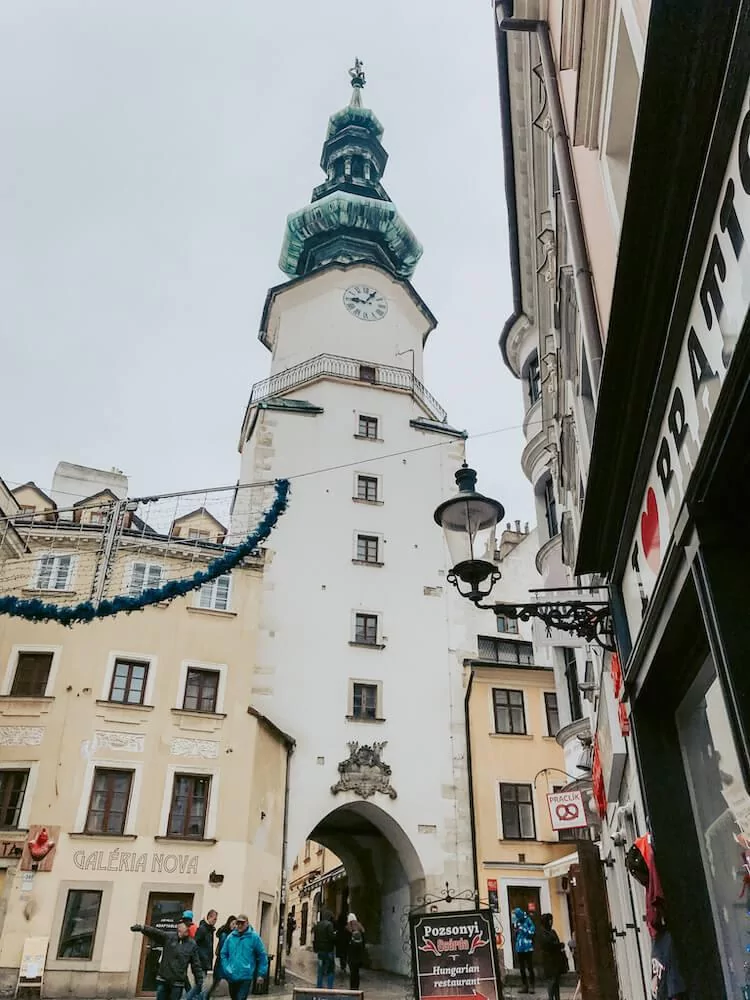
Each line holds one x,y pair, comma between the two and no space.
371,296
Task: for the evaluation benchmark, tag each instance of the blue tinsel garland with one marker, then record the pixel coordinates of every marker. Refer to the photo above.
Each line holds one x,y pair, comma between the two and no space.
39,611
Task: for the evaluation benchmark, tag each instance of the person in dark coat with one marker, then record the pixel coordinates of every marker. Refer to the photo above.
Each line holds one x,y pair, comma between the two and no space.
553,963
204,939
291,927
178,951
222,934
324,946
342,941
355,956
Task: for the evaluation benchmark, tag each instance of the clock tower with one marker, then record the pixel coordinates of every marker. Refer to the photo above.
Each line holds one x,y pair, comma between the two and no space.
357,624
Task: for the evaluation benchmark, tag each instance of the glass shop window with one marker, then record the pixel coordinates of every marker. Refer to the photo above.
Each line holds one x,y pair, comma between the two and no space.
721,807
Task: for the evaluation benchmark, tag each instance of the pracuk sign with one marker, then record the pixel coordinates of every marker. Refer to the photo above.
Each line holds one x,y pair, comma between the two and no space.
566,810
715,322
453,954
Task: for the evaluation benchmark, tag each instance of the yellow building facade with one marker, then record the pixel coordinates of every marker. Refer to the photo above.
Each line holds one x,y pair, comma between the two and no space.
136,778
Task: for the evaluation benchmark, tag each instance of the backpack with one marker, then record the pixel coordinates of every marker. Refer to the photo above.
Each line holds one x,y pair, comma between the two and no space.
357,938
324,936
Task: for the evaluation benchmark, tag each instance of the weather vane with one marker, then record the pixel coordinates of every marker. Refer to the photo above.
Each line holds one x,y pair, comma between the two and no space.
357,73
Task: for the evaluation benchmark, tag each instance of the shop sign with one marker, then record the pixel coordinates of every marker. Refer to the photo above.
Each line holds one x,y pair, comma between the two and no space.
134,861
40,849
597,781
566,810
615,672
454,955
609,745
715,323
31,970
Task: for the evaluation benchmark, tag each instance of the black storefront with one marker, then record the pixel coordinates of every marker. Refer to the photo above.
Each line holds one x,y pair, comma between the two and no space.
667,514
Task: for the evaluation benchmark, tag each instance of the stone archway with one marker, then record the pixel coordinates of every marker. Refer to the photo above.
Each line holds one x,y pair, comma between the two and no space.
384,873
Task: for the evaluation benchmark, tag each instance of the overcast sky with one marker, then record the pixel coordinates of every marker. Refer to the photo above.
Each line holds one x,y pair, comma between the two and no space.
151,150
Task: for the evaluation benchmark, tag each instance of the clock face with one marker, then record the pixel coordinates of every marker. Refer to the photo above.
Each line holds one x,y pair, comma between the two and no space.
365,303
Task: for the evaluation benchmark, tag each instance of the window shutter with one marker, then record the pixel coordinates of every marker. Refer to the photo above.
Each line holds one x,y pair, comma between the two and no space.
137,577
221,600
153,577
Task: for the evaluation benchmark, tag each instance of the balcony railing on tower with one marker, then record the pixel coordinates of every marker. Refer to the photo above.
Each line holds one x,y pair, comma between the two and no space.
352,370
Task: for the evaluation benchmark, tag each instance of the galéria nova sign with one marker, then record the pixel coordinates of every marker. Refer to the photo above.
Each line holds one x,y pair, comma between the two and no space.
134,861
715,322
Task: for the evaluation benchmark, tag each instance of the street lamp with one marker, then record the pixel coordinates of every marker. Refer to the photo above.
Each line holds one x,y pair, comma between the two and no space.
469,520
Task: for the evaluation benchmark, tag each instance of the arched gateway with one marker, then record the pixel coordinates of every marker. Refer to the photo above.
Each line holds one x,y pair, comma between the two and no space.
356,625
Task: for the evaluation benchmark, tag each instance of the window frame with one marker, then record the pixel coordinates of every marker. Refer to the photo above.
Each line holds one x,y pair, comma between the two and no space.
202,674
356,616
533,379
137,657
367,539
511,731
524,651
30,769
373,689
94,889
516,785
546,695
11,666
510,625
130,663
147,569
220,668
108,764
36,674
213,587
195,776
368,419
110,771
55,557
368,481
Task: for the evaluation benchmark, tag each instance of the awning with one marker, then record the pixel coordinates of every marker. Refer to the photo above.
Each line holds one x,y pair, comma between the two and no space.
332,876
560,867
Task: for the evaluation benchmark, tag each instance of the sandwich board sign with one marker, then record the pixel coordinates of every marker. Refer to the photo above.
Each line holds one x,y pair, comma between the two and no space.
31,971
454,955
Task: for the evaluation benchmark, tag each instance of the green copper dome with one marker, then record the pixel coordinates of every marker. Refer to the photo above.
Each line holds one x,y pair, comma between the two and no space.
350,218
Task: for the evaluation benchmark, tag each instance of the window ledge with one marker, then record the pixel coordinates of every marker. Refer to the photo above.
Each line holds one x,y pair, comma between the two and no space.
361,718
198,715
213,612
365,437
550,739
512,736
371,503
187,840
124,704
368,645
57,593
85,835
44,698
8,831
366,562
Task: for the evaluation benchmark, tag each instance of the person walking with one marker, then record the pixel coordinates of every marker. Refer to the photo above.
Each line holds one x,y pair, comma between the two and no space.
553,964
244,959
324,946
524,929
342,941
178,951
355,954
291,927
222,934
204,940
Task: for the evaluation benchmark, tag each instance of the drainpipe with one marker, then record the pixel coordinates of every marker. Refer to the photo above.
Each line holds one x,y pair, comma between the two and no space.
584,286
470,776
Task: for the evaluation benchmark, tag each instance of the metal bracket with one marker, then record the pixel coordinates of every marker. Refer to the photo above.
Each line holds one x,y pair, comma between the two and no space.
591,621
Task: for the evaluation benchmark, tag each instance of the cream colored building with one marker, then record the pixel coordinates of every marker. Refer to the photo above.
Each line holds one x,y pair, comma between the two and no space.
318,882
133,742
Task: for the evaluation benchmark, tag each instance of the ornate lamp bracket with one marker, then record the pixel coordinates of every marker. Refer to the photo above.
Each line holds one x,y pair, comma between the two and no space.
589,620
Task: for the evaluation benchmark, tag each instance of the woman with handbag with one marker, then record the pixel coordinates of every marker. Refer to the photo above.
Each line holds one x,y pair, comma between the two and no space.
355,954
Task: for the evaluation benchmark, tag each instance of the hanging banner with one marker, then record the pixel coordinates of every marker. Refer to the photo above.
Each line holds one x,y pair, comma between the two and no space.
567,810
454,955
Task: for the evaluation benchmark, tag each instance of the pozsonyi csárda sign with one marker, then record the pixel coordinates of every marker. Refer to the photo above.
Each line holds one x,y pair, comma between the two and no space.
453,954
133,861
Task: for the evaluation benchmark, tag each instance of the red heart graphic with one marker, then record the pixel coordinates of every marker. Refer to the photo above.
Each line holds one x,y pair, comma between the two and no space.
650,531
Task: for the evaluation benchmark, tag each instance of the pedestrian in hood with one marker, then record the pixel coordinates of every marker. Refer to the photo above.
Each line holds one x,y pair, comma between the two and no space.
178,951
243,958
355,955
553,964
324,946
524,930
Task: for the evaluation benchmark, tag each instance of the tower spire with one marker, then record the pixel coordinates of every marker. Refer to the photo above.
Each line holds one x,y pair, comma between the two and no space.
357,73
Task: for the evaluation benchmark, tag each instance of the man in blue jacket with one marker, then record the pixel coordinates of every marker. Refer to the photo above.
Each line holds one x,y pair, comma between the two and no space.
243,958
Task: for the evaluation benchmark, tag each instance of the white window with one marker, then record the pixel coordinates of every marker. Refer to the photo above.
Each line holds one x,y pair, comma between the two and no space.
365,701
144,576
54,573
199,534
129,679
215,595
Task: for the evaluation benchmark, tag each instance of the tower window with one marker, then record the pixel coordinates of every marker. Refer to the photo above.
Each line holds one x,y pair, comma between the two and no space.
368,373
364,701
367,427
368,548
571,678
366,630
533,379
550,508
367,488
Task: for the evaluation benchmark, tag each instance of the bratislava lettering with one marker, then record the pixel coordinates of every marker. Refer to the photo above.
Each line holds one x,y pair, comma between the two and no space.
715,322
133,861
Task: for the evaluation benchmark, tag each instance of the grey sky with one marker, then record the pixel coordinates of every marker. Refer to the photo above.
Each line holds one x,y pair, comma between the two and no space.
151,152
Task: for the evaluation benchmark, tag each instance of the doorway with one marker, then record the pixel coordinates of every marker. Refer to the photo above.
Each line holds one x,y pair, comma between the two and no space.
528,898
163,911
265,910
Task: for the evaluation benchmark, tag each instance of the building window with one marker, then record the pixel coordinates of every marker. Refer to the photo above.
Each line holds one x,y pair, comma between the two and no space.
187,813
552,713
32,674
517,812
201,690
54,572
79,924
144,576
533,379
128,682
364,701
520,654
12,791
198,534
367,427
215,594
367,488
550,508
509,711
97,517
307,850
571,679
368,373
505,624
108,806
366,629
368,548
